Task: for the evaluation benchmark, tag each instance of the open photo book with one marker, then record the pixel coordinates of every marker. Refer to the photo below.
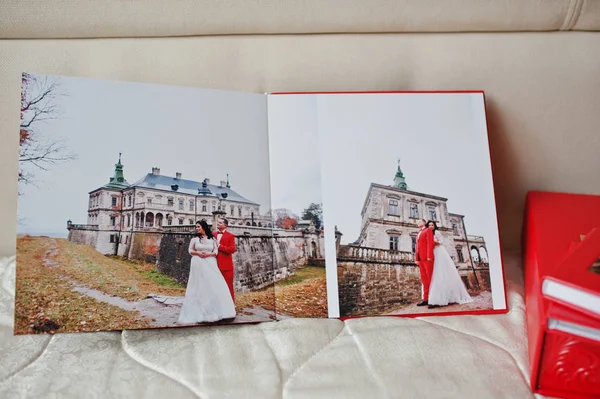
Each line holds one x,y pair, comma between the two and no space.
150,206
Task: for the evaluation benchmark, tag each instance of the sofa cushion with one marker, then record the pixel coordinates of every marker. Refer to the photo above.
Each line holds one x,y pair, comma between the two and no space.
152,18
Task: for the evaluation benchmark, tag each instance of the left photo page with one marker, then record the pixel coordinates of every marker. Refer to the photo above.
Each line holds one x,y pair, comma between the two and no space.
141,206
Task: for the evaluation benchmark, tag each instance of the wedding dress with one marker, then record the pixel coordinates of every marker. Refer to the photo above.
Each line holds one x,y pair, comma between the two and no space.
207,297
446,285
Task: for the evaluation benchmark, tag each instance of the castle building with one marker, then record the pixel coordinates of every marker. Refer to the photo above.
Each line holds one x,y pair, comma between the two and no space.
390,215
118,209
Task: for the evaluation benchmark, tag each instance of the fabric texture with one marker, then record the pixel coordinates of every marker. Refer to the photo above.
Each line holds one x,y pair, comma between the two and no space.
482,356
160,18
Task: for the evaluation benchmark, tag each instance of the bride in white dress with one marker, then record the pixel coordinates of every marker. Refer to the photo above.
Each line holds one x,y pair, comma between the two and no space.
446,286
207,297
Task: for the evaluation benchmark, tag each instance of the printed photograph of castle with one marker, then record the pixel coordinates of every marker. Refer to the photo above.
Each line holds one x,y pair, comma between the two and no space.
389,231
408,189
157,203
147,206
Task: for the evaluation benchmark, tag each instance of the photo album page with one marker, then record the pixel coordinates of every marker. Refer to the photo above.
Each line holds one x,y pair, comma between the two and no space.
150,206
407,196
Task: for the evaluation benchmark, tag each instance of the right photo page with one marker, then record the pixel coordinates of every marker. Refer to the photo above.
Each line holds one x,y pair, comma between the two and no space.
407,188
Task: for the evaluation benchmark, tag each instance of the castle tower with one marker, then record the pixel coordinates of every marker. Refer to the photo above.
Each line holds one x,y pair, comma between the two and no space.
399,180
118,180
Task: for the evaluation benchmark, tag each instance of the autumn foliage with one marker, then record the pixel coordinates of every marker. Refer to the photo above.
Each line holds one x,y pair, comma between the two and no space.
285,219
288,223
47,272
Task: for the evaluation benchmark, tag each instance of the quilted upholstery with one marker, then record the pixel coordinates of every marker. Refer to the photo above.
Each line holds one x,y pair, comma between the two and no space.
537,60
436,357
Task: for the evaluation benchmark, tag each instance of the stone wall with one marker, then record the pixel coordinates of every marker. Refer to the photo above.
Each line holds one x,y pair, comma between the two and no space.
144,246
475,281
259,260
263,256
372,281
375,288
85,237
98,239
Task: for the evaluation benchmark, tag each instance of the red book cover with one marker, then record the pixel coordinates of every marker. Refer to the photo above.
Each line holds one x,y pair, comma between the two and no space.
564,349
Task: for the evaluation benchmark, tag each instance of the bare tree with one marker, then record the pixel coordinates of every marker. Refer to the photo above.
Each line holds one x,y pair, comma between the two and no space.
38,104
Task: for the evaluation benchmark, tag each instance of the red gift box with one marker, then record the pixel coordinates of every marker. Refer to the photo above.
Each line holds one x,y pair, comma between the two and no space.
561,248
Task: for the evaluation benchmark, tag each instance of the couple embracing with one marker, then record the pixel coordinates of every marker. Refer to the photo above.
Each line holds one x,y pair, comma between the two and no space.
441,283
209,294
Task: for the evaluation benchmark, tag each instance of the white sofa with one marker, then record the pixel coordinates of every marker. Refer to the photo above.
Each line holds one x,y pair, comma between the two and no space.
539,63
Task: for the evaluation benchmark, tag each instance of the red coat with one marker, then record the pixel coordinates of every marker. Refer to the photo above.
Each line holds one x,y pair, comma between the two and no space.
425,244
226,250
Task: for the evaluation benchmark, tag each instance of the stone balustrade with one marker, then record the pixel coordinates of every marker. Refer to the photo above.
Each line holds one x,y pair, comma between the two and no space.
374,255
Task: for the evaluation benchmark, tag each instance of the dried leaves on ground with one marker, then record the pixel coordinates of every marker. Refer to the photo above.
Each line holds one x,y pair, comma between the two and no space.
115,276
301,295
44,302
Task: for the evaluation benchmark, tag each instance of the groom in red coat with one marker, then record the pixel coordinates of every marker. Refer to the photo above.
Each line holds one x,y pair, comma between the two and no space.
424,258
226,243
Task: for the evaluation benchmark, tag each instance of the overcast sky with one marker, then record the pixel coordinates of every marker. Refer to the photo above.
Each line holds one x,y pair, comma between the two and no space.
200,133
441,140
294,149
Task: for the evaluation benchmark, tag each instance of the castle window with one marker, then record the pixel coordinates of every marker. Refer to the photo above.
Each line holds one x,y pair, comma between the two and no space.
114,201
113,220
169,221
393,243
191,221
414,243
214,206
149,201
393,207
455,229
414,211
129,199
191,205
180,221
232,209
112,238
461,257
180,204
240,212
432,215
170,202
203,207
128,220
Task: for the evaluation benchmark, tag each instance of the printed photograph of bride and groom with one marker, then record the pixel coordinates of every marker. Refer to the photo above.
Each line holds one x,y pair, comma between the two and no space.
408,186
146,206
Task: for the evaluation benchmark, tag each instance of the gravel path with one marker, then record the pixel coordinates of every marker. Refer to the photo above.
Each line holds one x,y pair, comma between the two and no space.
162,310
